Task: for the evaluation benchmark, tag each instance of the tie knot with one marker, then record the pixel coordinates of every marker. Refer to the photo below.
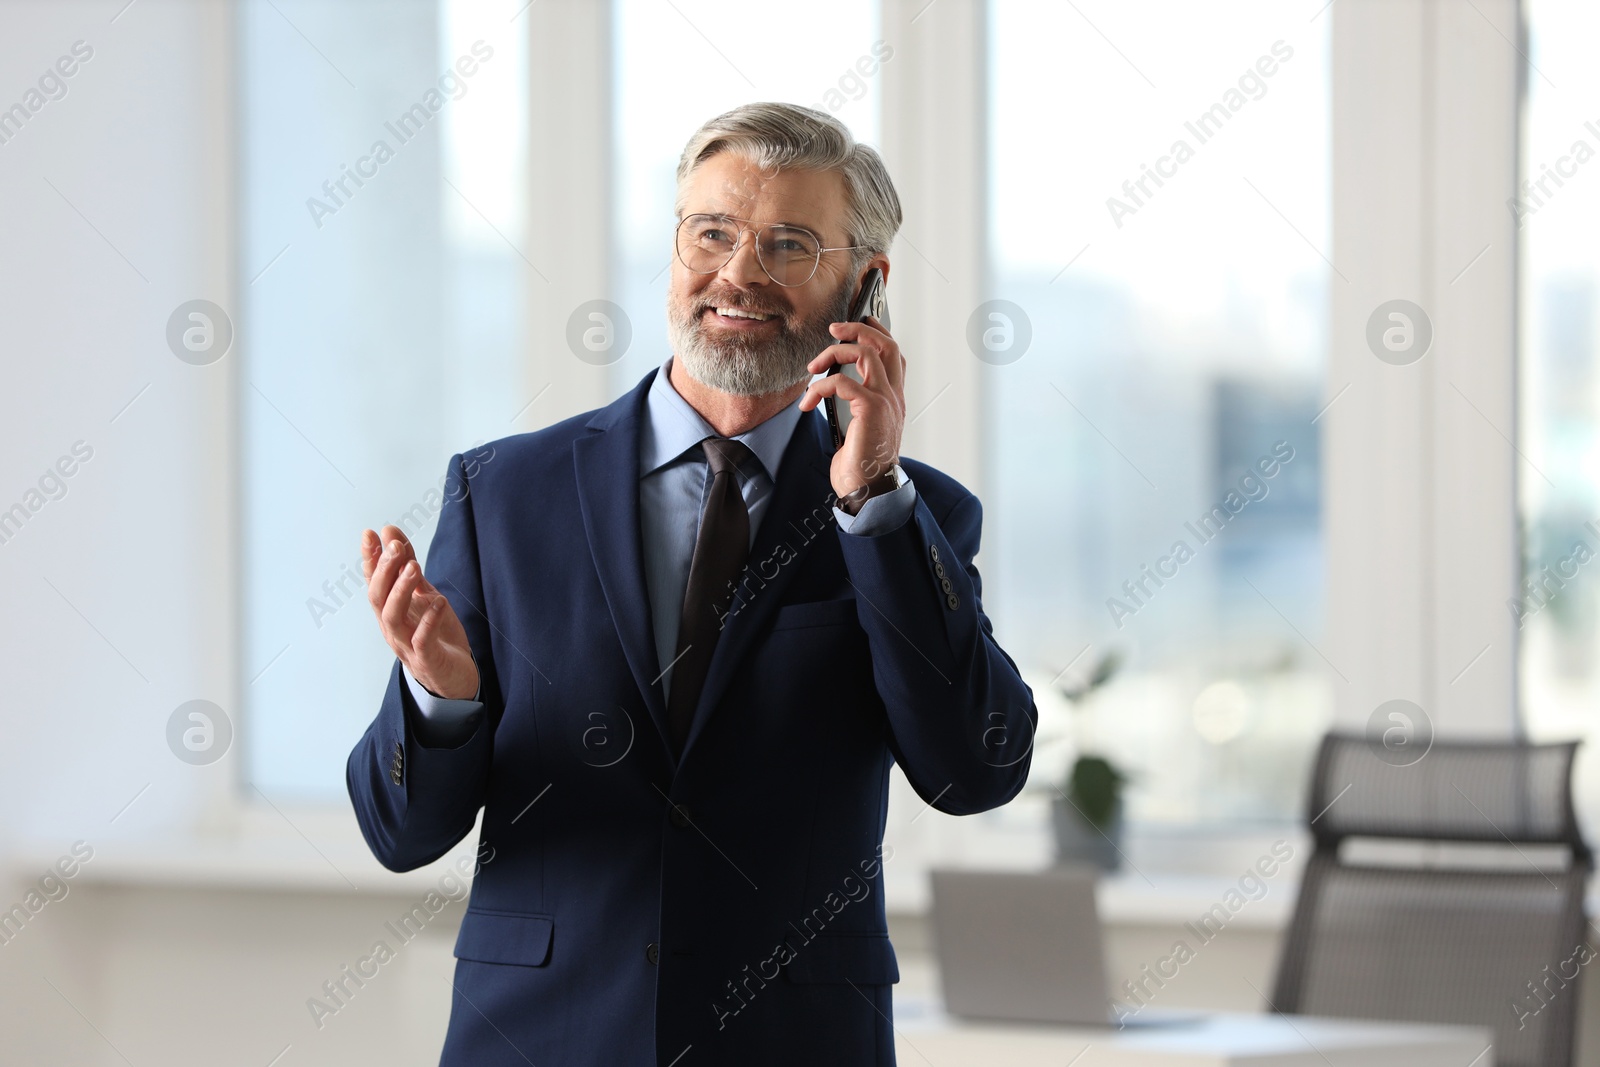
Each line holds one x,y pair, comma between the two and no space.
725,454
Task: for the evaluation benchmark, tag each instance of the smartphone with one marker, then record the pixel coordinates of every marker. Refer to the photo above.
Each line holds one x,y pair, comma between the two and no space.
869,301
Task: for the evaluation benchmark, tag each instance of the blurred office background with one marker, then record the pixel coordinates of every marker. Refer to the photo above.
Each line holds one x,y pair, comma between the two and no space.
1156,348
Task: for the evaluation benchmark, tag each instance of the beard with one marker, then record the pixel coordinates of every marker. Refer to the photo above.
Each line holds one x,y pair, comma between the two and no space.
743,365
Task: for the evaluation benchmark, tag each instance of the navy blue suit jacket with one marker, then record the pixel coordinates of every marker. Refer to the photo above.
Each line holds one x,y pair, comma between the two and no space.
725,907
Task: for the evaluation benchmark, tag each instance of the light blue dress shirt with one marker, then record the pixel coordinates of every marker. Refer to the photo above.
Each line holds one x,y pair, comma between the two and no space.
674,482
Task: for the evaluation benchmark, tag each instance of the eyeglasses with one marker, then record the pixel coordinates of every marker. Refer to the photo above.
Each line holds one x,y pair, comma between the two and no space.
789,254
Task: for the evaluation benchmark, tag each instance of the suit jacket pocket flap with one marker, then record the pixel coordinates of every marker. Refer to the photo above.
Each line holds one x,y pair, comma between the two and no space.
865,959
505,937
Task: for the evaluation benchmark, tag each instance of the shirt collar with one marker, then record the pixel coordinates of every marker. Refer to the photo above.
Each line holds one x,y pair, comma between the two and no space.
672,427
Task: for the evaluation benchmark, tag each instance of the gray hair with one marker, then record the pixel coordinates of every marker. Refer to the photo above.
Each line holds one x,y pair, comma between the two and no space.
774,135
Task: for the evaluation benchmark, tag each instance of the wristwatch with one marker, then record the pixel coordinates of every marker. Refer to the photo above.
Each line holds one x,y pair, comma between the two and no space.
896,478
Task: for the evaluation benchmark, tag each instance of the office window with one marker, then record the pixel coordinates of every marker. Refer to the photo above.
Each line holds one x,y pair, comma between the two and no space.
678,65
1558,215
1159,220
379,331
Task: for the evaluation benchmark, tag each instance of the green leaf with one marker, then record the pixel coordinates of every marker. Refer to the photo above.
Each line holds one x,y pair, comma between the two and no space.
1095,789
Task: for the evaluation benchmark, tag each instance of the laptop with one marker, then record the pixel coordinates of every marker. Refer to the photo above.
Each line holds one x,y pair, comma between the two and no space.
1026,946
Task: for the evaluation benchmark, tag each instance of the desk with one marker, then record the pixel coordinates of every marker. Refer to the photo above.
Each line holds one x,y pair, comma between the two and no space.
925,1036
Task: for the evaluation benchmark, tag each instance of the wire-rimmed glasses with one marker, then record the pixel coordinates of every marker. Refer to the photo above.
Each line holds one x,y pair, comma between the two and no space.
789,254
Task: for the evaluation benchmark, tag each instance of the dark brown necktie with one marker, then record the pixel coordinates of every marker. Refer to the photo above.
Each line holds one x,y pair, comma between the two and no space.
720,552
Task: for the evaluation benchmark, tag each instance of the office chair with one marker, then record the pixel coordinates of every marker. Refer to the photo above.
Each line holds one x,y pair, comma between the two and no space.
1479,920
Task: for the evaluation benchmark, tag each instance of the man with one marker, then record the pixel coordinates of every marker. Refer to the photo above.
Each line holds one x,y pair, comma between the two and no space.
671,647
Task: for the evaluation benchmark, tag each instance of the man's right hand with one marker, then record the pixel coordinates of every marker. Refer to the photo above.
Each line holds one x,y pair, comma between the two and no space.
417,620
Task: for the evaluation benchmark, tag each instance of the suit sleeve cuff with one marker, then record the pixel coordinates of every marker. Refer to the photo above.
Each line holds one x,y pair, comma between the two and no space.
441,722
880,514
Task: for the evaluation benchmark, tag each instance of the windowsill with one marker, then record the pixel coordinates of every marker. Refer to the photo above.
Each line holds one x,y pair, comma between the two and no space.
263,858
260,858
313,850
283,865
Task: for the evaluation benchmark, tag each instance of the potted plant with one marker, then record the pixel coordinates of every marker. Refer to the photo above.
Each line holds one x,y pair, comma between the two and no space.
1086,811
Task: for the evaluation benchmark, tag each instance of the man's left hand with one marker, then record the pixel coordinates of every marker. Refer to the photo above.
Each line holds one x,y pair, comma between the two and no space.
864,464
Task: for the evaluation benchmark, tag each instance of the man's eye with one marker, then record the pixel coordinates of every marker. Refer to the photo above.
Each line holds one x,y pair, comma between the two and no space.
713,235
789,244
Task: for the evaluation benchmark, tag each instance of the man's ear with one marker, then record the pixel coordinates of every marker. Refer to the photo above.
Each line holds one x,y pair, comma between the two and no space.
880,261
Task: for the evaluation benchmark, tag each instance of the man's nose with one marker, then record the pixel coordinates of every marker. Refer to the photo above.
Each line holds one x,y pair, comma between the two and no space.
744,267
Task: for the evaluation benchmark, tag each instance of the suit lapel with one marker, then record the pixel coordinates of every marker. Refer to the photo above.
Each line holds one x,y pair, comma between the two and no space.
800,511
607,466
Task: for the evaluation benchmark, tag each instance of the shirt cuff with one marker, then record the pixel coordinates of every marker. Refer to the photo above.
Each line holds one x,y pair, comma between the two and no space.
444,722
880,514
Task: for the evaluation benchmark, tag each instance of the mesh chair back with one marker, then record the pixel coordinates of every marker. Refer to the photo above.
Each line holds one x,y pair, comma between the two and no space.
1494,792
1477,944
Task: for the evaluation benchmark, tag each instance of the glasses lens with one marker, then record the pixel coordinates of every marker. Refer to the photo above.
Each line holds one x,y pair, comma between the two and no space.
705,242
789,253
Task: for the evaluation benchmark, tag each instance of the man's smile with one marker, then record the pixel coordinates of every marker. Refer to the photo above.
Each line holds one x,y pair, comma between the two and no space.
732,318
